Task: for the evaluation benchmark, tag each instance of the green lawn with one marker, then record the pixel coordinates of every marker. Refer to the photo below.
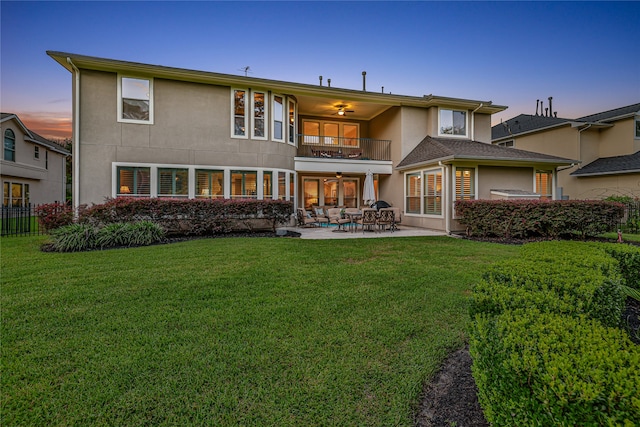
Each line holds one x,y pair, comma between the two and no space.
235,331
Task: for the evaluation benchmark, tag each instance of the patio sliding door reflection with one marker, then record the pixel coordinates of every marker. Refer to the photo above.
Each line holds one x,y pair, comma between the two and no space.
311,188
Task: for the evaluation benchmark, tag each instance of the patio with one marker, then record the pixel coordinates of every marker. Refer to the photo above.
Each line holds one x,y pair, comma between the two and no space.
328,233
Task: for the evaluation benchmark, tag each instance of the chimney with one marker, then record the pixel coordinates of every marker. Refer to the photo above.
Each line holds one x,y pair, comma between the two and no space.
537,104
364,81
328,82
320,80
550,106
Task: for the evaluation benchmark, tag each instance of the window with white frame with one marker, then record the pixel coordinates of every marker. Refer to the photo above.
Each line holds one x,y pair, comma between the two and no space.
173,182
36,152
452,123
244,184
210,184
433,192
267,185
465,183
277,110
292,122
637,127
282,185
259,117
508,144
413,189
134,181
15,194
135,100
9,146
544,184
238,106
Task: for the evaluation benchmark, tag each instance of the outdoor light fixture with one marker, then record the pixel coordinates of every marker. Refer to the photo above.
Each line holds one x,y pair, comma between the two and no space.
338,175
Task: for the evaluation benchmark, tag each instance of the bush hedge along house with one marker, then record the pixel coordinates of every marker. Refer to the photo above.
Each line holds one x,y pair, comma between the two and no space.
154,131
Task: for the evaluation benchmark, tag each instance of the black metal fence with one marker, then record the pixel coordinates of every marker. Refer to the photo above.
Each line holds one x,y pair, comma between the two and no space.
630,223
19,221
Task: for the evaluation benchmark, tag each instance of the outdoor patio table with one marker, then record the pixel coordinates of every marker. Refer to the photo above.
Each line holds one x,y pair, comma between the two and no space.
353,217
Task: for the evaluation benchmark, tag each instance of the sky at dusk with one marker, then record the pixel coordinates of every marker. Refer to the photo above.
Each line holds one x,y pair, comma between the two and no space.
583,54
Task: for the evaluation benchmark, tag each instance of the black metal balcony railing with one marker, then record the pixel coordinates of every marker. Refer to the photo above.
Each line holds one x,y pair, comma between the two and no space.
333,147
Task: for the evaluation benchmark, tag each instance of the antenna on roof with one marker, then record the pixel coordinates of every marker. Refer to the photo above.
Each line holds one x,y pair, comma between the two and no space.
246,70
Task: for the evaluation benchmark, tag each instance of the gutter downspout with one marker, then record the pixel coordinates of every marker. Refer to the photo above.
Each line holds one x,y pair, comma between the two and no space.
473,122
447,205
75,194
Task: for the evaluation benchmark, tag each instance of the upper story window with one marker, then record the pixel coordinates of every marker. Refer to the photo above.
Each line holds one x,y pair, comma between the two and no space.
452,123
36,152
465,183
9,146
505,144
277,110
292,122
637,127
135,100
330,133
259,117
238,107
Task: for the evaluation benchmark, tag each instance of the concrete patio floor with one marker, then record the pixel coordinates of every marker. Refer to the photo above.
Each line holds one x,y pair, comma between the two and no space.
328,233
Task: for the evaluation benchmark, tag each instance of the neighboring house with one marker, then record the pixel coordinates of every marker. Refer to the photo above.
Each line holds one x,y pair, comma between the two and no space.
153,131
606,144
33,168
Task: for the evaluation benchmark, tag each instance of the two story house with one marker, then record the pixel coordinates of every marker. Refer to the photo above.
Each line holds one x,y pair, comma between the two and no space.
155,131
33,169
606,145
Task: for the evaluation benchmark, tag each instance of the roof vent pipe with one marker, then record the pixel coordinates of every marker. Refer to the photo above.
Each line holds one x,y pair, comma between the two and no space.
364,81
550,106
546,112
537,104
382,89
320,77
328,82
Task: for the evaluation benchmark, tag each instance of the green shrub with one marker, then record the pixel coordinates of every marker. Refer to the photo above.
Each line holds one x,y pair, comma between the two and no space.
526,218
628,258
54,215
74,238
535,368
80,237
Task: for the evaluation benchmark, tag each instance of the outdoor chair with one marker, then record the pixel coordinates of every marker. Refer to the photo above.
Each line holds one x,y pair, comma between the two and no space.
337,219
369,219
385,219
397,218
305,219
319,215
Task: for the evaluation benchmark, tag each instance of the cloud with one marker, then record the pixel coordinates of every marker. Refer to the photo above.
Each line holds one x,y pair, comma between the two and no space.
52,125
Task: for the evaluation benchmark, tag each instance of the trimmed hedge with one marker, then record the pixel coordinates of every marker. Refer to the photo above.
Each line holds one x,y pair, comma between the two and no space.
543,346
545,369
54,215
528,218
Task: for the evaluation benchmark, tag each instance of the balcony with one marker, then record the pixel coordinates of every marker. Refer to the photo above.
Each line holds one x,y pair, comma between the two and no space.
340,148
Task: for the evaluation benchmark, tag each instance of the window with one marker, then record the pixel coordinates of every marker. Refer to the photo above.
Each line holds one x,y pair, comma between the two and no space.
453,122
134,181
331,133
282,185
238,102
413,193
259,115
9,146
544,184
244,184
506,144
292,122
277,111
465,183
433,192
209,184
637,128
15,194
135,103
36,152
350,133
173,183
267,185
46,159
330,192
311,131
292,188
311,192
350,197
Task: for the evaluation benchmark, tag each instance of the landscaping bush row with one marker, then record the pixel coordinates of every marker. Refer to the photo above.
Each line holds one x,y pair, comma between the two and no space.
177,216
528,218
544,344
82,237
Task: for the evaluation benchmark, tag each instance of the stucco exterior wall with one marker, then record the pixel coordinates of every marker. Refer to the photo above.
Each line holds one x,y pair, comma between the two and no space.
503,178
618,140
482,128
388,125
192,126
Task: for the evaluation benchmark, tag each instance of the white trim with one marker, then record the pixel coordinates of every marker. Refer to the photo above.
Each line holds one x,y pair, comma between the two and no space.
291,100
285,108
466,124
119,106
443,192
233,111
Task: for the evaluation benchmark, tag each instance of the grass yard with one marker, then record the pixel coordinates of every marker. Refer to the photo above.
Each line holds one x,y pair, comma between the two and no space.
237,331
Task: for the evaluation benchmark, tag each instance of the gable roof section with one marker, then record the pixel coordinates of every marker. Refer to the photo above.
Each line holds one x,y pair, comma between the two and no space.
31,136
431,150
611,115
611,166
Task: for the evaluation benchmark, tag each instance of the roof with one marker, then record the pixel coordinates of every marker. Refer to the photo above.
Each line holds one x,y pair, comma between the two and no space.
615,114
431,150
31,136
525,123
72,60
611,165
